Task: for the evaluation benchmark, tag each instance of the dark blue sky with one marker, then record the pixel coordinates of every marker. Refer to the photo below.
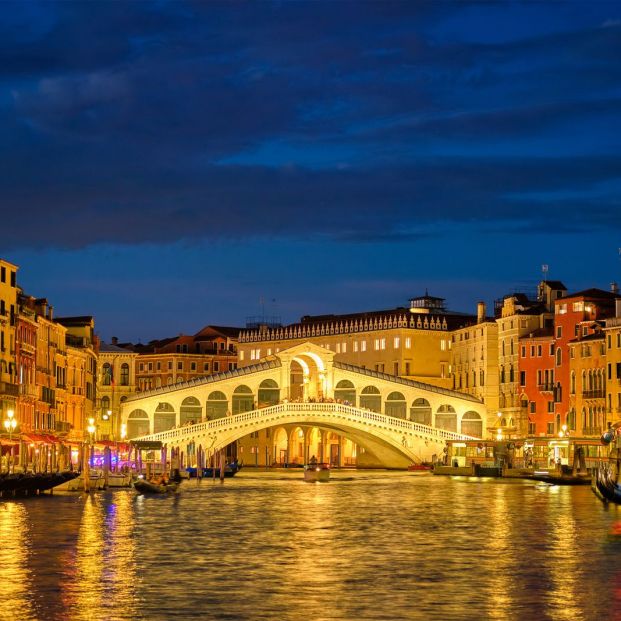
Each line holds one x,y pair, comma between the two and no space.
167,165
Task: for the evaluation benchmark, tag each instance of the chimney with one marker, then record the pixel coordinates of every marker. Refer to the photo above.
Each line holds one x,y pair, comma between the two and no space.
115,340
481,311
50,313
618,307
614,287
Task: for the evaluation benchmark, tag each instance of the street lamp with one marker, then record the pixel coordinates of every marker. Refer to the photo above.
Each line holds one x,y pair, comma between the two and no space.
9,424
91,430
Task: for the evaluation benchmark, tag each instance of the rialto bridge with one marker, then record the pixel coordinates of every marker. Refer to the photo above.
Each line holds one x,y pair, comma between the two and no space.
300,402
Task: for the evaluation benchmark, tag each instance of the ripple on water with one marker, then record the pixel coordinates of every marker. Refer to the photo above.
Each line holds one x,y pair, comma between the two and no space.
368,545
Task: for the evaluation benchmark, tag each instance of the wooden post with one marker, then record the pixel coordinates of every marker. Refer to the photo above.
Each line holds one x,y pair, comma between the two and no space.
86,468
222,460
106,465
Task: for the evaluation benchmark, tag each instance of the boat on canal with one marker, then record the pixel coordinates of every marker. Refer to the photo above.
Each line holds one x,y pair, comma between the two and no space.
317,473
230,470
150,487
605,486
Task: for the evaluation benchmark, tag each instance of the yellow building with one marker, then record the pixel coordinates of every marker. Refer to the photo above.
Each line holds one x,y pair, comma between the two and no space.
8,367
79,376
612,331
517,316
587,384
409,342
51,370
116,381
474,361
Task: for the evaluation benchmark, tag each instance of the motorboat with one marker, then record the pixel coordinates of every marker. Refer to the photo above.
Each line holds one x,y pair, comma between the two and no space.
119,479
317,473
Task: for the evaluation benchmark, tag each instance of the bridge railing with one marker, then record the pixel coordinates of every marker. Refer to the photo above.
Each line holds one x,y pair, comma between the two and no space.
301,407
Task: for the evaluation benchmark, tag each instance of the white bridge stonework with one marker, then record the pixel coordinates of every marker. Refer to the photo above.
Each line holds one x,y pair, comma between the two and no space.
393,441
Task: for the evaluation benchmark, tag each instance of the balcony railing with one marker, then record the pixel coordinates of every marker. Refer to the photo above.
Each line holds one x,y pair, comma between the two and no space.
592,431
63,427
545,387
11,390
593,394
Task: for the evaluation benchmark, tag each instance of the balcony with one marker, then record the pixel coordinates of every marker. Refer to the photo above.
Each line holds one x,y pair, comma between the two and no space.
546,387
11,390
63,427
592,431
28,390
593,394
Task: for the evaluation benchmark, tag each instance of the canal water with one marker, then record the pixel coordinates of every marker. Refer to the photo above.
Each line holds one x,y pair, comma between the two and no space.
366,545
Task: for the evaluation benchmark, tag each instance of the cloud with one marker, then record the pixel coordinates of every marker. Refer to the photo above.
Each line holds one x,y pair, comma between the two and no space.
204,121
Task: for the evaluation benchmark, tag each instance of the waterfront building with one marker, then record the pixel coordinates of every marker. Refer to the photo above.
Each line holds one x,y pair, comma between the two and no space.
577,317
79,377
587,383
519,315
409,342
536,381
612,330
8,366
116,381
474,362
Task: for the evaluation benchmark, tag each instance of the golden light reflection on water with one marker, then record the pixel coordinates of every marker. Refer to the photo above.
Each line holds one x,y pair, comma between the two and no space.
15,576
103,574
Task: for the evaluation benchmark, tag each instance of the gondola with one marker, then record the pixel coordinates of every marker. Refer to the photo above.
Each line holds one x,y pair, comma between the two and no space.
147,487
604,485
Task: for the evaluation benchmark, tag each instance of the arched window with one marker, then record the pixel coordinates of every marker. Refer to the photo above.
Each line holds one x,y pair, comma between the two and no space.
190,410
106,374
370,399
243,399
345,391
125,374
558,357
446,418
137,424
395,405
269,393
164,417
420,412
572,388
217,405
105,405
472,424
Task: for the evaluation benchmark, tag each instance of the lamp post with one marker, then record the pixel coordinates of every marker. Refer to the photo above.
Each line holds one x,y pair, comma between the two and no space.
9,424
91,431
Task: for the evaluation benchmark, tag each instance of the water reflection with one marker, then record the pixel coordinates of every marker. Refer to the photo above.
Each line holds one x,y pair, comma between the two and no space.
269,546
15,574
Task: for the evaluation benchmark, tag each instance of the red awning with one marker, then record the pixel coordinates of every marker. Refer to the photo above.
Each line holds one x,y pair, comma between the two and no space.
40,438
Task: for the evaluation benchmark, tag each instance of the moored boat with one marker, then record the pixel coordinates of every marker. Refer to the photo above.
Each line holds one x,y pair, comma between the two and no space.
148,487
604,485
230,470
319,473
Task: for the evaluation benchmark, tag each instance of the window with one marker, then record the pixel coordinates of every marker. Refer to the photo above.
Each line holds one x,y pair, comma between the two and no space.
170,365
407,368
558,358
241,354
550,429
382,343
363,346
232,366
206,366
150,366
532,351
550,407
522,378
193,366
531,429
397,343
408,342
338,348
179,366
216,367
523,352
551,349
533,407
344,348
539,351
2,274
125,374
559,332
442,345
355,346
396,368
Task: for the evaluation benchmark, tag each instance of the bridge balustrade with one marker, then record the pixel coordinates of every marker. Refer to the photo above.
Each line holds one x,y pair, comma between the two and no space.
273,412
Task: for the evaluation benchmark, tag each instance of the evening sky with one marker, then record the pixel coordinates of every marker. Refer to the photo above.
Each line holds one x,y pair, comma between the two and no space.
167,165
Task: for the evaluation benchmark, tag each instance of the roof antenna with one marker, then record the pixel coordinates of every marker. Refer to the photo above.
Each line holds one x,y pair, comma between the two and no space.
544,272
